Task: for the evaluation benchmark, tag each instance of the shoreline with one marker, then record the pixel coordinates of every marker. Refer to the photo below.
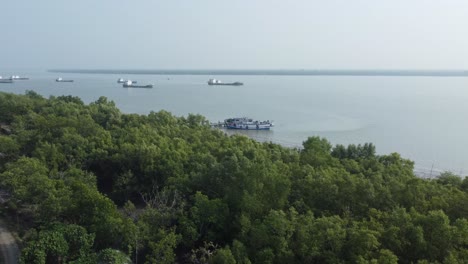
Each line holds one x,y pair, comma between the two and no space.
419,171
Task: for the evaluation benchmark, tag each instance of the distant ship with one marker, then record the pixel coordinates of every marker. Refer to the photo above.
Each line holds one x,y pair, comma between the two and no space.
124,81
62,80
247,124
16,77
218,82
5,80
130,84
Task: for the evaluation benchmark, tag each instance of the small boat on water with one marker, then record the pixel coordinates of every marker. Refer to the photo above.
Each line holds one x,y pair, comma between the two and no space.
246,123
218,82
130,84
16,77
62,80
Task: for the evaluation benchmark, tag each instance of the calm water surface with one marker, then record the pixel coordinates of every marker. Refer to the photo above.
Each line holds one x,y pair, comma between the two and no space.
422,118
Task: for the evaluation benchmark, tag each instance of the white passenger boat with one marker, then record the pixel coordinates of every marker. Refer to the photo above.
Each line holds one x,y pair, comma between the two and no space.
246,123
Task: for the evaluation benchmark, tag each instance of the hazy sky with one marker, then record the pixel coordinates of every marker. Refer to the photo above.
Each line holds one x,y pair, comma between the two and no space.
235,34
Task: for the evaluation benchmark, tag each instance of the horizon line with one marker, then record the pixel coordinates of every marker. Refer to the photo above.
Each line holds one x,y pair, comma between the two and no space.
281,72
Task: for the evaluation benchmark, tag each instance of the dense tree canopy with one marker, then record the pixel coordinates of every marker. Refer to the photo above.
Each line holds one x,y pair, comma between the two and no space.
94,185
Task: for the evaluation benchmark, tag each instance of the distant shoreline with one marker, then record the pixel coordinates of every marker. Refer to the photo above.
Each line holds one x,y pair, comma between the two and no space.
409,73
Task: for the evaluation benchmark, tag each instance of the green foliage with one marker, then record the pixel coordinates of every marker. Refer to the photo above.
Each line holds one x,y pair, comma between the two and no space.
449,179
99,215
316,152
223,256
209,216
9,149
354,152
15,105
58,243
239,251
158,188
112,256
274,232
163,250
32,192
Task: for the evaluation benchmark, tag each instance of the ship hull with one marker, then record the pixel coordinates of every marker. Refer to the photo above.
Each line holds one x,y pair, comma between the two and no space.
248,127
231,84
137,86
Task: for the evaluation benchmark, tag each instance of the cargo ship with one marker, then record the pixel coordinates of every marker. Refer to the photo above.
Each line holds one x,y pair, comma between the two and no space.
218,82
62,80
124,81
16,77
130,84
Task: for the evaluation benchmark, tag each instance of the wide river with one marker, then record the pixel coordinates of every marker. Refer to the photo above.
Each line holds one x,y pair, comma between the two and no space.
423,118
